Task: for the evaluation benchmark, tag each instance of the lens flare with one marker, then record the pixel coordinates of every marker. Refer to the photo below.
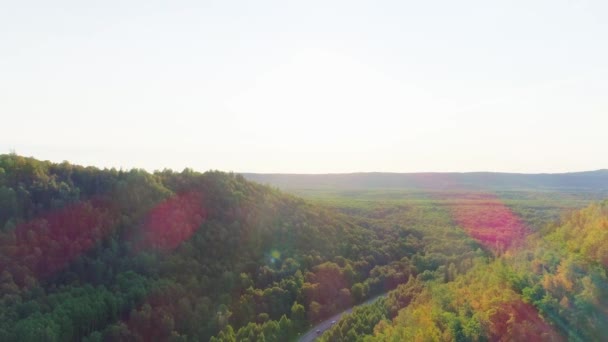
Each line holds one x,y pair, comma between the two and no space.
171,222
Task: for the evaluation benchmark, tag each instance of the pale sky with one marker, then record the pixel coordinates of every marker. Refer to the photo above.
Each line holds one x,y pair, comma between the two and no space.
307,86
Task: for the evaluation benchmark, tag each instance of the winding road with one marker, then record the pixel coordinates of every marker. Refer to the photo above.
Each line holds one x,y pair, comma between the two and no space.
312,334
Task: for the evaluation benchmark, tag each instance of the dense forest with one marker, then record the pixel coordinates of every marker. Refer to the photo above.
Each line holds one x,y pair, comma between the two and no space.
89,254
551,285
127,255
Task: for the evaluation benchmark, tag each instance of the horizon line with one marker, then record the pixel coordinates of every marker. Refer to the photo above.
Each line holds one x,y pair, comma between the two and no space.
122,168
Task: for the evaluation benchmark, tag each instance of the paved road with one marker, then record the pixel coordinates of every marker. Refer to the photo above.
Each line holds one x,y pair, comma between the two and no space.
312,335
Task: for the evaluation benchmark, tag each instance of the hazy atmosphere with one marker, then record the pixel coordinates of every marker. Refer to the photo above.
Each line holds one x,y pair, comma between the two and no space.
309,87
304,171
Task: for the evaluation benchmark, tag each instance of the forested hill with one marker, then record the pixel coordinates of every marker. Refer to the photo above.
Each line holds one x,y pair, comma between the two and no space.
90,254
591,180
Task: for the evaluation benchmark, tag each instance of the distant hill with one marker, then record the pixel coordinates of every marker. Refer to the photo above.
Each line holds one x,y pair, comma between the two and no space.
589,180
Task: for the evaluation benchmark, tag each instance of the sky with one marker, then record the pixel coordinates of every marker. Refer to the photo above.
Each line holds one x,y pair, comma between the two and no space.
307,86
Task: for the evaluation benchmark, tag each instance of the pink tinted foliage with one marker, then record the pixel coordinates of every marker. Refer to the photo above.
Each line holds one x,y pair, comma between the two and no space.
489,221
172,221
42,246
519,321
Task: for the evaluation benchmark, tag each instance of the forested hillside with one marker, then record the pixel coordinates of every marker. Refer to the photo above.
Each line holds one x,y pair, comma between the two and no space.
114,255
90,254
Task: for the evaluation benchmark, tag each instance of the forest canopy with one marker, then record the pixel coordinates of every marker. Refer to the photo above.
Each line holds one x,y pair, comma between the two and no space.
103,254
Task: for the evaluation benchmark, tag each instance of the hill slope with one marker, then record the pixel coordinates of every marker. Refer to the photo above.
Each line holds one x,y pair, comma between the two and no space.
128,254
89,254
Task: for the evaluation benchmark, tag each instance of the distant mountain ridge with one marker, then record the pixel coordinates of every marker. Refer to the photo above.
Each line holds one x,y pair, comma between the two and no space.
587,180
